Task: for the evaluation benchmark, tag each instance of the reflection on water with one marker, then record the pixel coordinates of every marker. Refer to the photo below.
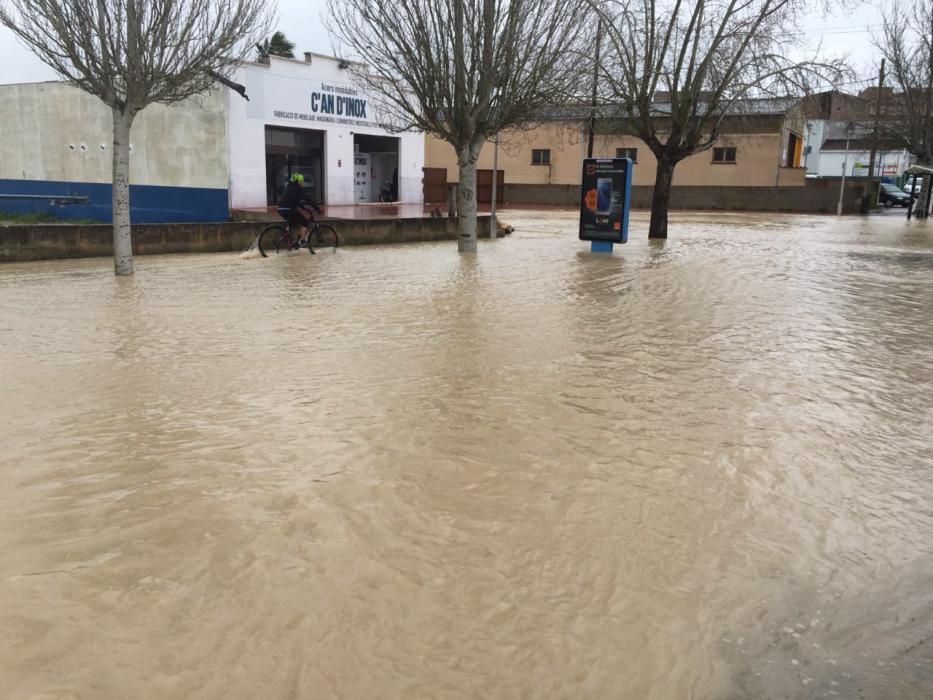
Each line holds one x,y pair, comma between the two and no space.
699,468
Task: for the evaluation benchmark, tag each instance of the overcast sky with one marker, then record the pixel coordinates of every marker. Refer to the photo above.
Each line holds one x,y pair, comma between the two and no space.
845,33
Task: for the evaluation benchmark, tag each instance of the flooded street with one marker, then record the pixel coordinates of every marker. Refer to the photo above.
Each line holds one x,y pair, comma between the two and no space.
693,469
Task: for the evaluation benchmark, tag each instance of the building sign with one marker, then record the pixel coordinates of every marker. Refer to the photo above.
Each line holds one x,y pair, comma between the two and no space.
604,206
329,103
860,169
332,103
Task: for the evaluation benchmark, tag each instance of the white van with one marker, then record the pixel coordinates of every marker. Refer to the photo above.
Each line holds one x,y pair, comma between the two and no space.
912,184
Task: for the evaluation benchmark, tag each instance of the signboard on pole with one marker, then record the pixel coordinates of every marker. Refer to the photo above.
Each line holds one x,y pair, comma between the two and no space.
605,200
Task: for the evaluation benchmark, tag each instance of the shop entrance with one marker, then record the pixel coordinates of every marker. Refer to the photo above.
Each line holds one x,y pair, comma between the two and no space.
290,151
375,172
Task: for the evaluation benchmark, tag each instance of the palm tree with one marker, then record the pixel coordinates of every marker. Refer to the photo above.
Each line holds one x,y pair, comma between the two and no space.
276,45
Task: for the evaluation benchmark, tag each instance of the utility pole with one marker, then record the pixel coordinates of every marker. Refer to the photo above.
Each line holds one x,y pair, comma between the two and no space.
493,225
599,37
845,166
870,193
928,132
874,133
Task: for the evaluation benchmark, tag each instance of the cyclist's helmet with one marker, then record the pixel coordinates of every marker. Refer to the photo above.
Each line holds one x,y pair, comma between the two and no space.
298,177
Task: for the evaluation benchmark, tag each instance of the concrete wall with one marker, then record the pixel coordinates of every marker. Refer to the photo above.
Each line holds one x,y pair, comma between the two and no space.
53,131
813,139
791,177
54,241
57,140
280,95
758,157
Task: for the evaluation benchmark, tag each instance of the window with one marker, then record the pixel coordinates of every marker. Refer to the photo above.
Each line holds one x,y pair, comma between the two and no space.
724,155
540,156
627,153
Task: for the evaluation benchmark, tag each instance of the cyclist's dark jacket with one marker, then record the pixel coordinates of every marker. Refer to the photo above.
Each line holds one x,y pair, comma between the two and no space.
294,206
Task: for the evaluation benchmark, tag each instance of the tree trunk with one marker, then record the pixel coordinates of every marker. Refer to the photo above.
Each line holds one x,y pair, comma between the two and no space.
466,198
122,241
661,199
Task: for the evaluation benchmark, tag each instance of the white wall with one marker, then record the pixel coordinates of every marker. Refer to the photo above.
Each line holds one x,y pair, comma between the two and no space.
280,95
53,131
831,162
813,139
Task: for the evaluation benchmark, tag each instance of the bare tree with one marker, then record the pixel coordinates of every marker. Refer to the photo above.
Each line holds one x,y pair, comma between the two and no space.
132,53
462,70
906,42
675,70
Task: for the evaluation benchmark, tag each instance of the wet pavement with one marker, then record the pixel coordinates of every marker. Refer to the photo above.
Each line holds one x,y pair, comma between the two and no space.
692,469
374,211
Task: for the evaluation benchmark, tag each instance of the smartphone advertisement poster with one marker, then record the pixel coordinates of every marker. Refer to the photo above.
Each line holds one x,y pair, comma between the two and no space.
607,187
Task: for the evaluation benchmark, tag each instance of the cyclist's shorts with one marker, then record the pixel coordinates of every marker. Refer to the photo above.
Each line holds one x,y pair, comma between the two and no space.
296,217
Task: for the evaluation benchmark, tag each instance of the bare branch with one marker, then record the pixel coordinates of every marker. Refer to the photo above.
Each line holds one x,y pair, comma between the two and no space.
131,53
906,42
676,70
463,70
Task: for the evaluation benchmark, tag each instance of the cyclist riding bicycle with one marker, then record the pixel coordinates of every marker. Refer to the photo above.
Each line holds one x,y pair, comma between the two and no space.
296,208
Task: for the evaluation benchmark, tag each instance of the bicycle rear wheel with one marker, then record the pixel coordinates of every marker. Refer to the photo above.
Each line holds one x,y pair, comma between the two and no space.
274,239
324,236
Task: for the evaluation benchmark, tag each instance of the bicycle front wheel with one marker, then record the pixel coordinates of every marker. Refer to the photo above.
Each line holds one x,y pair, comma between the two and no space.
325,236
274,239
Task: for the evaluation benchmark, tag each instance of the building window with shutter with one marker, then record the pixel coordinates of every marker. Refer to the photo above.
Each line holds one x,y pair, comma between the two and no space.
541,156
631,153
724,155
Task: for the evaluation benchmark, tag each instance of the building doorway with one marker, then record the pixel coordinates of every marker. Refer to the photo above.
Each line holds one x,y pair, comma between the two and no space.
375,170
484,187
290,151
435,185
794,150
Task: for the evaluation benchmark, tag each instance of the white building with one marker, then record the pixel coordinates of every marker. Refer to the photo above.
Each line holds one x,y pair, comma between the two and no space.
308,116
196,160
829,147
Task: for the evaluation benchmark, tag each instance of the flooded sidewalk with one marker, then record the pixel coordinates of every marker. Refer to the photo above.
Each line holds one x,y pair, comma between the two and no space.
698,468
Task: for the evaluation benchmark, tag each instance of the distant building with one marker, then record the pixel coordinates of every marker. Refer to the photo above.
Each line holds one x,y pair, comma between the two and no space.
761,145
837,147
839,132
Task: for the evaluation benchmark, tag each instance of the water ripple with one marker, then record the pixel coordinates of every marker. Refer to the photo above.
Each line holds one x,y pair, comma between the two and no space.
695,468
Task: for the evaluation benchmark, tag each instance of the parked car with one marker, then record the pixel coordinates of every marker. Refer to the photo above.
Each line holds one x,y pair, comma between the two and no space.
913,184
891,195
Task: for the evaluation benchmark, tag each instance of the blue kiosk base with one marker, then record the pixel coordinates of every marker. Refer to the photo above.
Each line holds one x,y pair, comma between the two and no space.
600,246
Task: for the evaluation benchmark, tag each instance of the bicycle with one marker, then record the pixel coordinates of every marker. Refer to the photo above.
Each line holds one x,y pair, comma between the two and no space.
278,239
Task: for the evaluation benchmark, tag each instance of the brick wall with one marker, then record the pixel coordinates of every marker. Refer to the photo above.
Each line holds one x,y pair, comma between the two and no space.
816,197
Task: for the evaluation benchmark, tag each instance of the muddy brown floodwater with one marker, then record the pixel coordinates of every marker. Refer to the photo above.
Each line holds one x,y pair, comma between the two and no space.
699,469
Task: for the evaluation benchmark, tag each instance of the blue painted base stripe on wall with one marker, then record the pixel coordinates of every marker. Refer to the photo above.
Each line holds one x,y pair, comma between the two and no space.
149,204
